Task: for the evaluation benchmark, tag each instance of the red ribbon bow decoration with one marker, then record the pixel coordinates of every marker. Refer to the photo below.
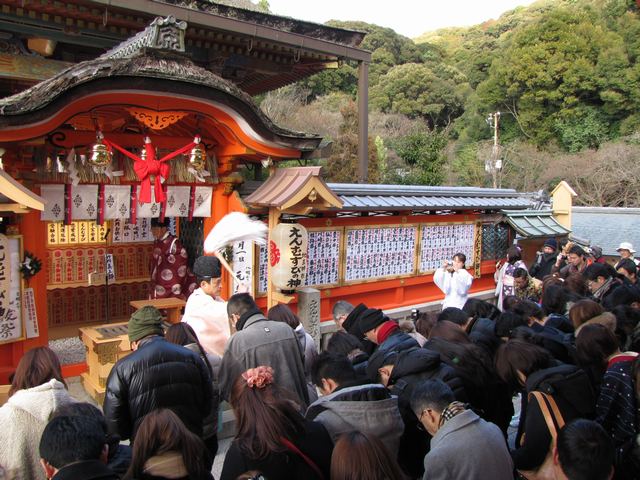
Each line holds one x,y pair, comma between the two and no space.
150,167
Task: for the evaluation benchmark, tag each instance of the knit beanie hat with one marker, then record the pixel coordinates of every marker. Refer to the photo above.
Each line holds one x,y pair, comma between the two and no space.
370,319
208,267
145,321
350,322
551,242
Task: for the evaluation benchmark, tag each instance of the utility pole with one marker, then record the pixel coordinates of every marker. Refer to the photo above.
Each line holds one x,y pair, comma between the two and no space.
494,165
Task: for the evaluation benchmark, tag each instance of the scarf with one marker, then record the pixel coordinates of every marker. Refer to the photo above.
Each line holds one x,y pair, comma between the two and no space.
386,330
598,294
246,315
453,409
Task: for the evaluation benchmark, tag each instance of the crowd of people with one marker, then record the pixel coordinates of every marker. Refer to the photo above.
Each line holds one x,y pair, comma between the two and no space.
543,385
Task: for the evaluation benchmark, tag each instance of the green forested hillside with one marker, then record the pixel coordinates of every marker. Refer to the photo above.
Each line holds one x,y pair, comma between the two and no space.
564,74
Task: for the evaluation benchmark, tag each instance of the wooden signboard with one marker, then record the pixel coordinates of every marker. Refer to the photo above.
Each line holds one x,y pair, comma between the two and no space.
358,254
323,257
442,242
372,253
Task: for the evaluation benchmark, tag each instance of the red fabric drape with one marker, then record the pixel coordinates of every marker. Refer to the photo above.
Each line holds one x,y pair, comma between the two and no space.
101,204
192,201
68,197
145,169
133,210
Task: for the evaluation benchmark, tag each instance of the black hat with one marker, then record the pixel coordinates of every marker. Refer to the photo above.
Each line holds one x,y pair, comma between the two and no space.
370,319
350,323
207,267
156,222
551,242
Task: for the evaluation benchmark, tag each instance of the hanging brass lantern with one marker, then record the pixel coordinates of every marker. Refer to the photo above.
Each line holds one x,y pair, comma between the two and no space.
99,154
198,156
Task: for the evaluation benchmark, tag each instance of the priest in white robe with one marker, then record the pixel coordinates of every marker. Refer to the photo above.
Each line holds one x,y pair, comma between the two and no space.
454,281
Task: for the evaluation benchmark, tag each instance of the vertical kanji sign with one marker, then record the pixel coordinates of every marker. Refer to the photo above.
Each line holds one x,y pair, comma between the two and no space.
11,311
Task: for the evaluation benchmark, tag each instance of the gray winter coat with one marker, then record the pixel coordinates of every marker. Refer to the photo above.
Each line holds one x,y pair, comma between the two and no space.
468,447
368,408
263,342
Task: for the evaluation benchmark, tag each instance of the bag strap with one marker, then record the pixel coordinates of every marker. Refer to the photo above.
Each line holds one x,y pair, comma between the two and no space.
304,457
545,401
556,411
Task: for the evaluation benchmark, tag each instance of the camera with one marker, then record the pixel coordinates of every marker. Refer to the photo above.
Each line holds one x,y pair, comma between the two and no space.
415,313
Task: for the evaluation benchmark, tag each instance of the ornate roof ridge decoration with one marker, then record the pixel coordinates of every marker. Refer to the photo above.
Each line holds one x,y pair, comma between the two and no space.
340,35
165,34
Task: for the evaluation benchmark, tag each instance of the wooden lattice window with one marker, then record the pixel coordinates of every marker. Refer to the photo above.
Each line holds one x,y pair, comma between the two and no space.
192,237
495,240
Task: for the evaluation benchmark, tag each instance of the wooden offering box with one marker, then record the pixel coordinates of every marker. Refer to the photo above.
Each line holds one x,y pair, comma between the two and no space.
105,345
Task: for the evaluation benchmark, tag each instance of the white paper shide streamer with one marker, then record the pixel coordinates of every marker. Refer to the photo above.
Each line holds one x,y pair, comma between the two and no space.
234,227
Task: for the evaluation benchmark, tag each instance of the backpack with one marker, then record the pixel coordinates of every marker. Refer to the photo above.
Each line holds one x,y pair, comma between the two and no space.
573,385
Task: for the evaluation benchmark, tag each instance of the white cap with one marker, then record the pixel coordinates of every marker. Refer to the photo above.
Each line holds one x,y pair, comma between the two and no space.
626,246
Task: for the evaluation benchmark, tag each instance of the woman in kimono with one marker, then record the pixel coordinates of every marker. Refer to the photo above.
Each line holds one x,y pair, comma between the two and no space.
505,285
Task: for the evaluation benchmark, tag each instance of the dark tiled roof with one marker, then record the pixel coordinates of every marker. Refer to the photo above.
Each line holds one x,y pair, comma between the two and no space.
535,223
607,227
368,197
418,197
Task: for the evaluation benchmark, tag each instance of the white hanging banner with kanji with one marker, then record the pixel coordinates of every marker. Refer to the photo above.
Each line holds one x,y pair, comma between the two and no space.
84,202
177,201
117,201
30,315
243,265
202,202
148,210
54,202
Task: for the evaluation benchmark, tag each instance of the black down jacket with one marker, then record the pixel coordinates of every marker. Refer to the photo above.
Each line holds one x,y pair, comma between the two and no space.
397,341
158,374
411,368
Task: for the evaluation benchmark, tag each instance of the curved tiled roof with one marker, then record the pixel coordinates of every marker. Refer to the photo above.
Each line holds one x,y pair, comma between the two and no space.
418,197
171,73
369,197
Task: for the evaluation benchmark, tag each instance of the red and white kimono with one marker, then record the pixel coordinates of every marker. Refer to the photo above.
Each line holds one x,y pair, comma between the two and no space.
170,276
